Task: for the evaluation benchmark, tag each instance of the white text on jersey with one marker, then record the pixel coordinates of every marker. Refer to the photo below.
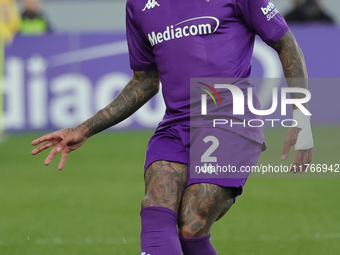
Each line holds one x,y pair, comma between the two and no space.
176,31
269,11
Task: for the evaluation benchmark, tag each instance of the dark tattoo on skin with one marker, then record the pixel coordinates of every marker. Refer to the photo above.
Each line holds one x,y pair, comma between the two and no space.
291,56
74,129
198,205
293,63
164,184
202,204
140,89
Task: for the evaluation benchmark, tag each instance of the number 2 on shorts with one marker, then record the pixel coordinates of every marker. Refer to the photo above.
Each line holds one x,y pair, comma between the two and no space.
206,157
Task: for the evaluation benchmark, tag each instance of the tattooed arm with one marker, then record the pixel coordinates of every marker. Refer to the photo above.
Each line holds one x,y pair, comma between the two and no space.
293,63
295,71
140,89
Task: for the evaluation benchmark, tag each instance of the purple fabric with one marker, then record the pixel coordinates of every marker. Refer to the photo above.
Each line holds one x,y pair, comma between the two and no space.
224,110
230,159
159,234
173,144
197,246
170,144
191,39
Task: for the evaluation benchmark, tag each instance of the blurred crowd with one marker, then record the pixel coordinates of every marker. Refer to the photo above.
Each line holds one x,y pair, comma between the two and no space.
35,21
308,11
33,18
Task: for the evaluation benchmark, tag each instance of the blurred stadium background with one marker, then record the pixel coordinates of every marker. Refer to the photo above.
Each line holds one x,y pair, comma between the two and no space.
82,14
92,207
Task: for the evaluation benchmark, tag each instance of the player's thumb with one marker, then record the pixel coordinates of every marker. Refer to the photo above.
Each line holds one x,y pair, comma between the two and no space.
286,148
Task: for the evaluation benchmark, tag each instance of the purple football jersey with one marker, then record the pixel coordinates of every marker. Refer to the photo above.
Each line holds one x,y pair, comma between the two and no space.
197,38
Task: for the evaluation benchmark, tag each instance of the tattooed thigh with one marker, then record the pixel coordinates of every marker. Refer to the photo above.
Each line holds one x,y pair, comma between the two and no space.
201,205
164,184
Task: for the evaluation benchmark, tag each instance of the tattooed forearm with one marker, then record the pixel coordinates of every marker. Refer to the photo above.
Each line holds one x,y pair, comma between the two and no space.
291,56
293,62
140,89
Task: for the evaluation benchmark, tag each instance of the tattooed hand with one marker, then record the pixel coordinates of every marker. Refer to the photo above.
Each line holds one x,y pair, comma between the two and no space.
64,141
140,89
302,157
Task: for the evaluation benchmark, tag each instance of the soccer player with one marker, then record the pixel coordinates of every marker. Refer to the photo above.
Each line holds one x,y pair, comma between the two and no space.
171,42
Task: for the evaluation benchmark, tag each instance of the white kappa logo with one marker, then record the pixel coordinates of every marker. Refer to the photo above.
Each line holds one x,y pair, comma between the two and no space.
151,4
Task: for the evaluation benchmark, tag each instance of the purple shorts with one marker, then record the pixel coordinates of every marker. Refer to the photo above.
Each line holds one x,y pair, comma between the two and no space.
213,155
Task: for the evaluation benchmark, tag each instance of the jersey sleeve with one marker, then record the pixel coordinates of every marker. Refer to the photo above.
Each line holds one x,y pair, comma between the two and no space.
263,18
140,51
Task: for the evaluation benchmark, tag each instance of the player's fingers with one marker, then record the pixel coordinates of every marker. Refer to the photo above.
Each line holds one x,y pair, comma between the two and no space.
310,155
52,154
42,147
296,165
62,160
304,160
45,138
286,148
62,145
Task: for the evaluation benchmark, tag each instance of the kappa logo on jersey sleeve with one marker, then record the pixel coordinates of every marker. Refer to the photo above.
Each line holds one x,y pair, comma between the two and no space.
269,11
151,4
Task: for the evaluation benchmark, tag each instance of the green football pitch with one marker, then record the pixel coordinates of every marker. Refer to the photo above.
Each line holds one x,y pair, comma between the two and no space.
92,206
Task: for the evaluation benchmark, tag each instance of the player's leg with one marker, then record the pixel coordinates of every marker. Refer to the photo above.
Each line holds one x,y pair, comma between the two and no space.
210,195
202,204
164,186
